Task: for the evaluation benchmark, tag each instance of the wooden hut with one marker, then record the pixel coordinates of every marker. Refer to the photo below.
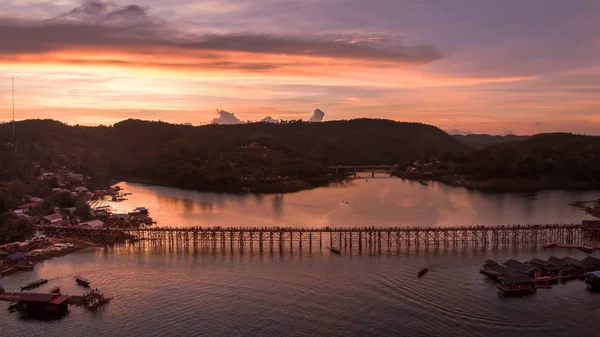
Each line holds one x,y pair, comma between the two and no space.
493,269
516,283
546,268
518,266
40,304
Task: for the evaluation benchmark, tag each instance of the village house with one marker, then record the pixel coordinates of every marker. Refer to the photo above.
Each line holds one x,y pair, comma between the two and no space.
523,268
80,189
74,176
94,224
33,303
27,206
546,268
52,219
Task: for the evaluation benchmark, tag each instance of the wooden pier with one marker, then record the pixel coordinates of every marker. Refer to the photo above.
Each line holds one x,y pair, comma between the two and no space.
355,238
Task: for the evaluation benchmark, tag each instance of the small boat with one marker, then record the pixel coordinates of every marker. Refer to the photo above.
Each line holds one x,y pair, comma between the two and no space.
422,272
550,245
27,266
55,290
586,249
34,284
82,282
12,307
141,210
335,250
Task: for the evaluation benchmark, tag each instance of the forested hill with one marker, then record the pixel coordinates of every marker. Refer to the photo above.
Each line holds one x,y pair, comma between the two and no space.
218,157
554,158
479,141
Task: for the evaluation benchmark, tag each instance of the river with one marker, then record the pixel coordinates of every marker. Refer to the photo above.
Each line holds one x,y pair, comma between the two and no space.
163,290
360,202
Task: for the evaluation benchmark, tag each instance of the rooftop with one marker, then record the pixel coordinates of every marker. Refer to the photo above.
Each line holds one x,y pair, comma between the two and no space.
519,266
515,278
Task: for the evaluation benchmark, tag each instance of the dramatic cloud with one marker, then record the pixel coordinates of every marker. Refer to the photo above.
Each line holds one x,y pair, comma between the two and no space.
268,119
106,12
317,116
226,118
104,27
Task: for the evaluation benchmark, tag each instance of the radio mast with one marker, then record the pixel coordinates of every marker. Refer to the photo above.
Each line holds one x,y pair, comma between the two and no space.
13,111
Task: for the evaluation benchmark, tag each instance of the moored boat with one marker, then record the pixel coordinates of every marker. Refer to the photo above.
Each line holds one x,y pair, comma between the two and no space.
34,284
422,272
82,281
55,290
12,307
335,250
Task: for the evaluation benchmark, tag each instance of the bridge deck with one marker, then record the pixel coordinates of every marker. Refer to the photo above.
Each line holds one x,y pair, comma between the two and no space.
358,237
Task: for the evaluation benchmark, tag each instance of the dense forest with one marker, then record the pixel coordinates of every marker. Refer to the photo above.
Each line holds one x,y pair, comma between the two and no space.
479,141
557,160
290,156
256,156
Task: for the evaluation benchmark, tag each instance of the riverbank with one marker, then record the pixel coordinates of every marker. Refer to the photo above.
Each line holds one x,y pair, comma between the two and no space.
46,251
264,187
590,207
508,185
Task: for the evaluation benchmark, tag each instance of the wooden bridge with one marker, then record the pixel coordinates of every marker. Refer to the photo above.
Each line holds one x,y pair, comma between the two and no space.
388,168
356,238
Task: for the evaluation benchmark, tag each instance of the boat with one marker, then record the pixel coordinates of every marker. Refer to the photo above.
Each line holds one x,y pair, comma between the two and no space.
55,290
34,284
82,282
27,266
141,210
335,250
550,245
586,249
422,272
12,307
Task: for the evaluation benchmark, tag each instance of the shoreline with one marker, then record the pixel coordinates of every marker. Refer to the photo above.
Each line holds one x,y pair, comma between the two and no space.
264,188
490,185
48,253
508,185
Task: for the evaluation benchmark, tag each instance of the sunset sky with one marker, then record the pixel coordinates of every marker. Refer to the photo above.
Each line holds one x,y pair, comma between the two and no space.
511,66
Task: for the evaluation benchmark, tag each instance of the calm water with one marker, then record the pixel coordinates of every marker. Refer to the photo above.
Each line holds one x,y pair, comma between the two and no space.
163,290
170,291
376,202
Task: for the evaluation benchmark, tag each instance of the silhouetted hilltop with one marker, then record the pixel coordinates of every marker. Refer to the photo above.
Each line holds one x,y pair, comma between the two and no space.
479,141
222,157
550,160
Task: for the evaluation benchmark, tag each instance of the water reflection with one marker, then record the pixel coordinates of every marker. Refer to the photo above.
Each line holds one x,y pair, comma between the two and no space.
376,202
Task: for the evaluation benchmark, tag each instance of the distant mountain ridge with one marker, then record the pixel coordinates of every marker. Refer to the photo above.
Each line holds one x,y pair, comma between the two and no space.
479,141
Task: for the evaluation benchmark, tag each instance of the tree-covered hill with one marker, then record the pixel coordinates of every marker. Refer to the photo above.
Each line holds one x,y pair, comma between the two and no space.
479,141
219,157
554,159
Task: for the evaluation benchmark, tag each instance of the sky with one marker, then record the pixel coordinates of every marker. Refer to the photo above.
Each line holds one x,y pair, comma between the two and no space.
466,66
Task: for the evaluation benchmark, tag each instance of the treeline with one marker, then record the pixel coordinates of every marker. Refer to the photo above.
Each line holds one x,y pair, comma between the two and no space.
556,158
256,156
267,157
